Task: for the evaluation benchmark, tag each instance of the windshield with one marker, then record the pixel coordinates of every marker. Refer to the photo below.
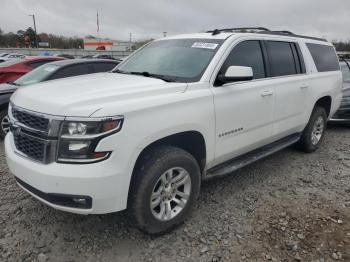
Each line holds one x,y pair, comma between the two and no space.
37,75
346,72
183,60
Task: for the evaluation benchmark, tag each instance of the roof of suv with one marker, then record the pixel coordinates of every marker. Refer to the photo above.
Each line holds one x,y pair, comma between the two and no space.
201,36
225,33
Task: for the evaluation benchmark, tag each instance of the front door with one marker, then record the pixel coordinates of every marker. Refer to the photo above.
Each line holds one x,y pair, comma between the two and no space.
244,110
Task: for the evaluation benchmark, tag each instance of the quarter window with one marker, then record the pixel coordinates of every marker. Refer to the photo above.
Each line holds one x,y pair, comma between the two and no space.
325,57
248,54
282,60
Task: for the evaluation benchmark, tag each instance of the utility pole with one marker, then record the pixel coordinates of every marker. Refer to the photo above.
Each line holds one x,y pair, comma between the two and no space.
130,45
36,35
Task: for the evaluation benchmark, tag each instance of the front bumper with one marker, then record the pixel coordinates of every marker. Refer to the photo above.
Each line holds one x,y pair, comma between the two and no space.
99,181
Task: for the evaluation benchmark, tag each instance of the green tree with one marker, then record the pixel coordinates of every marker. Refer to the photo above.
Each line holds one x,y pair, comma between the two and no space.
31,33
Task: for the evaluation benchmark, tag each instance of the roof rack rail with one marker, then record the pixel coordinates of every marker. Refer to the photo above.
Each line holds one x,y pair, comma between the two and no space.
218,31
288,33
263,30
283,32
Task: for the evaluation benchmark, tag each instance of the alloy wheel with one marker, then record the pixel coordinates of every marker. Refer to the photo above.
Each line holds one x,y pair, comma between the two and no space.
5,124
170,194
317,130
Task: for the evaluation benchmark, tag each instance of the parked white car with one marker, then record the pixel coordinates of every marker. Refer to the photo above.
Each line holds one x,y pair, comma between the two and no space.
179,110
11,56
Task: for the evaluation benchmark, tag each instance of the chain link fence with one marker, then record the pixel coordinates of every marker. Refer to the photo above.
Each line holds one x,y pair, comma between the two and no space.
75,52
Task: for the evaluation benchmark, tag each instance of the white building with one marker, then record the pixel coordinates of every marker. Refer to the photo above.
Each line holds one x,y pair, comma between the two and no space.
106,44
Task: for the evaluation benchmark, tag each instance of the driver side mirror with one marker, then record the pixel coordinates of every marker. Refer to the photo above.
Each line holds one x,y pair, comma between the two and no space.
236,73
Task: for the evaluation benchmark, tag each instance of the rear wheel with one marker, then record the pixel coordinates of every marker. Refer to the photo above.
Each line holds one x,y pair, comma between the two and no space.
314,132
4,123
166,185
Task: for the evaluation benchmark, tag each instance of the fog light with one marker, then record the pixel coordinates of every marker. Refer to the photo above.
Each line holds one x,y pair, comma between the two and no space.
78,146
79,201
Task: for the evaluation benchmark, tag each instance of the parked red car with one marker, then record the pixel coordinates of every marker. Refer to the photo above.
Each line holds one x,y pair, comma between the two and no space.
14,69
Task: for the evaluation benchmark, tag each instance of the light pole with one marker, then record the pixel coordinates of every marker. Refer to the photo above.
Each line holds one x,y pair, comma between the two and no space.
36,35
130,45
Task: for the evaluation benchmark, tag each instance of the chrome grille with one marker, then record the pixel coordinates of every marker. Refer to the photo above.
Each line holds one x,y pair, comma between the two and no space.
31,121
30,147
35,135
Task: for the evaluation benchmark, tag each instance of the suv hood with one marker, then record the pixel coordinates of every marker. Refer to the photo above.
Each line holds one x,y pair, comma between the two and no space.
84,95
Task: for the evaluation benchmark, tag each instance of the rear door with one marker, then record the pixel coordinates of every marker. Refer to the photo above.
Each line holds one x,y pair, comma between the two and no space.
288,76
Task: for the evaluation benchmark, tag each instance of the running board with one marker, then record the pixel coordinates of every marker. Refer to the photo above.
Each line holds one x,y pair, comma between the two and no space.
248,158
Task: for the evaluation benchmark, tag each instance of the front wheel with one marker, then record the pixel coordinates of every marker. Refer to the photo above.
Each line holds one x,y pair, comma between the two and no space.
166,185
313,134
4,123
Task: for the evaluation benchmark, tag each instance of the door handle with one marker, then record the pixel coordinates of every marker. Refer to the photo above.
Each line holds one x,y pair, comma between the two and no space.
304,86
266,93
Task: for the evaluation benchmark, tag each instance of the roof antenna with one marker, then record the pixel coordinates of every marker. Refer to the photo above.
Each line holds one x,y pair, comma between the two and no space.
215,32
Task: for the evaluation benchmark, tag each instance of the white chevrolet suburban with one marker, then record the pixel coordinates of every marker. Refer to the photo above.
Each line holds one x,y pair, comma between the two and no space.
177,111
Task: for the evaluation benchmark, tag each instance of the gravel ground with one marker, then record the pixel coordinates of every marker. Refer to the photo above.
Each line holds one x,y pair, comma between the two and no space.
288,207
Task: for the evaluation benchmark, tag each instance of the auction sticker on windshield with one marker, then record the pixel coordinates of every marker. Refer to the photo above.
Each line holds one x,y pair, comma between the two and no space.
204,45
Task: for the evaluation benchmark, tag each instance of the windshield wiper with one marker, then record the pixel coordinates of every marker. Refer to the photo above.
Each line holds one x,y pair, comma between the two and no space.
147,74
120,71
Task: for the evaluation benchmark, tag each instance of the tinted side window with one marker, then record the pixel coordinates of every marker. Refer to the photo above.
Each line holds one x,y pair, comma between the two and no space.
249,54
36,64
325,57
281,58
103,67
73,70
298,58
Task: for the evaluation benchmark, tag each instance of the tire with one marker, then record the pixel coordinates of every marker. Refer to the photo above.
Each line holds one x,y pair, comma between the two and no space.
313,134
150,180
4,124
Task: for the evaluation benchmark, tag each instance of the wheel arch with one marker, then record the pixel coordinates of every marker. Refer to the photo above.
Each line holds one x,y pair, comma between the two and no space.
4,106
191,141
326,103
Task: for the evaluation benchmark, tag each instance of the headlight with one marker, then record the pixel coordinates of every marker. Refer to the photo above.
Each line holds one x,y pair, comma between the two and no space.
79,138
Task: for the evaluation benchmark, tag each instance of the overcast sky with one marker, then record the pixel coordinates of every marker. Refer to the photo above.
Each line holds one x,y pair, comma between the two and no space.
149,18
